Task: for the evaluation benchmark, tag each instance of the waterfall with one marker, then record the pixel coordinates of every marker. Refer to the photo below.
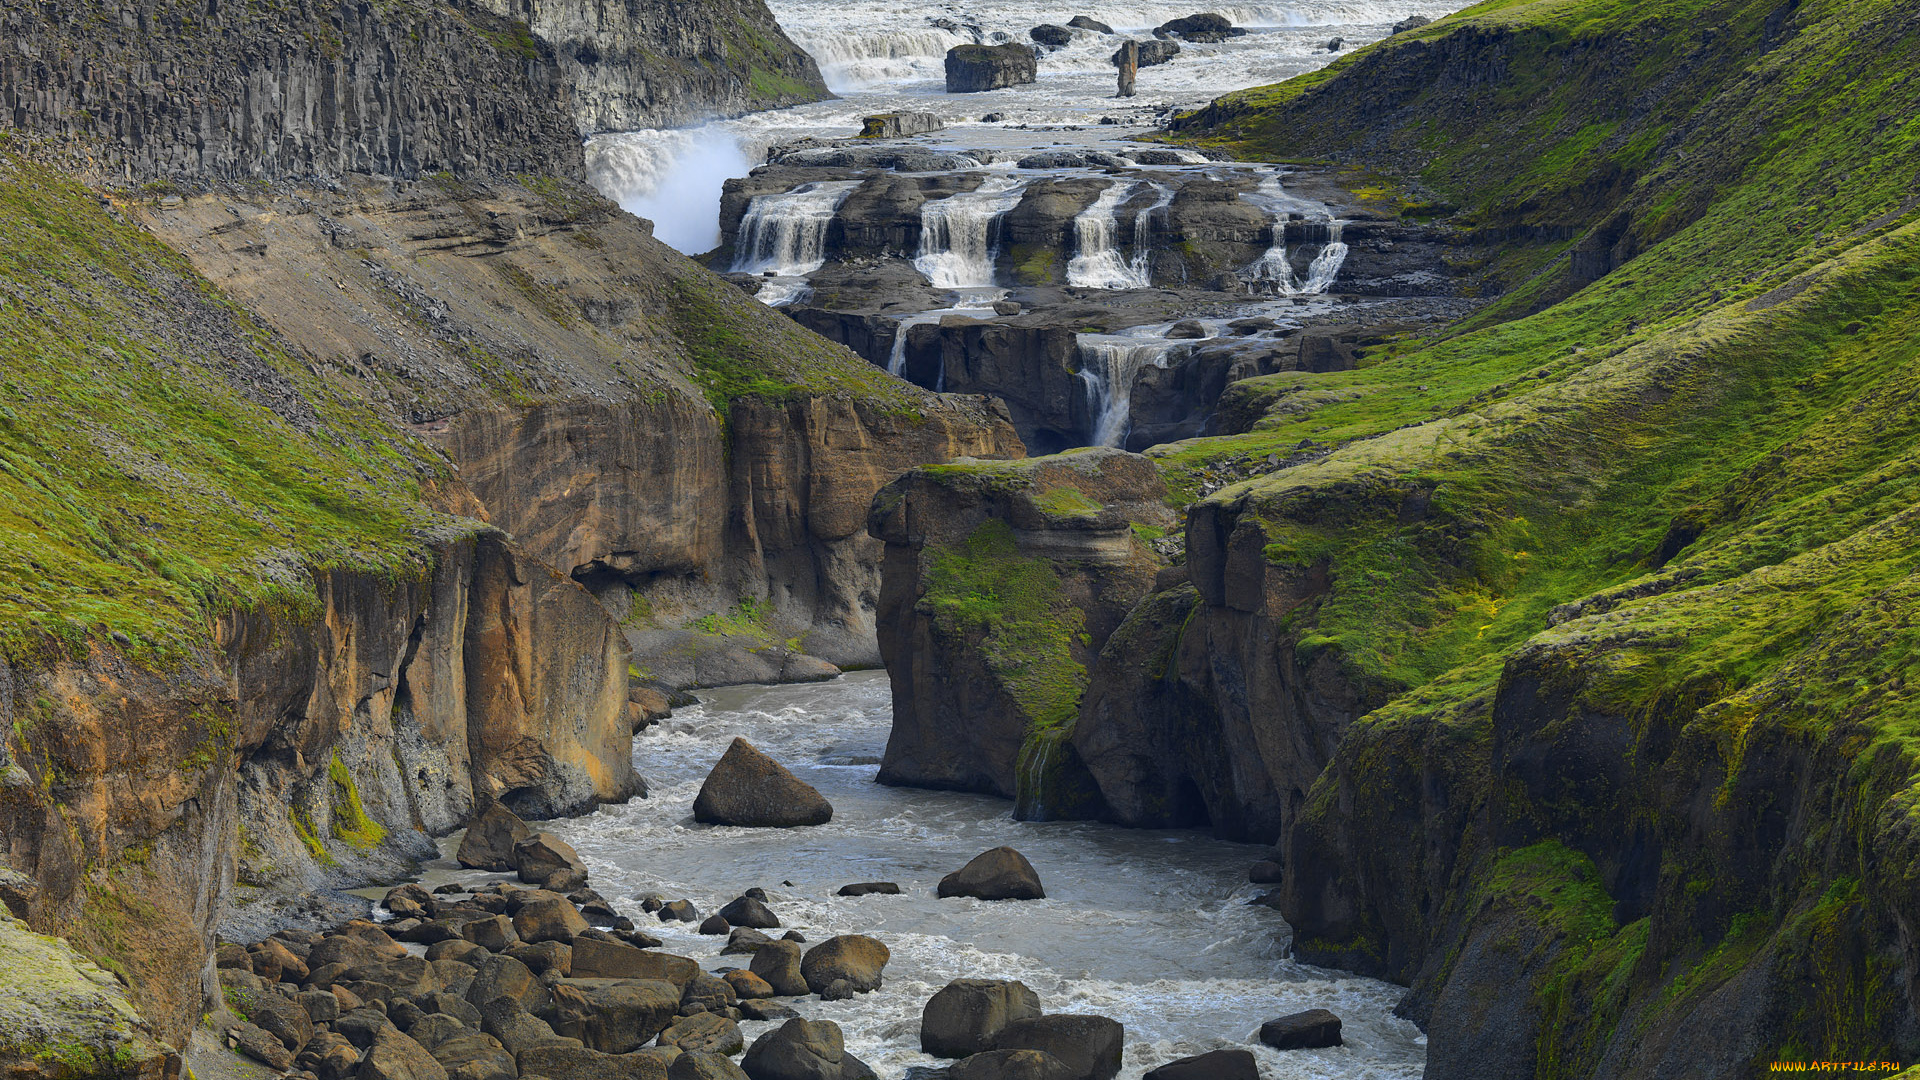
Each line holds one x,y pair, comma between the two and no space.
1326,264
784,237
1142,264
1031,772
958,234
897,361
1096,261
1108,365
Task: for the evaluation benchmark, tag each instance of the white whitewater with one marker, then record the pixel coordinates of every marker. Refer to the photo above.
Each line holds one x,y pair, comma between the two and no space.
1151,928
784,237
958,234
1326,265
1272,272
1098,261
1108,365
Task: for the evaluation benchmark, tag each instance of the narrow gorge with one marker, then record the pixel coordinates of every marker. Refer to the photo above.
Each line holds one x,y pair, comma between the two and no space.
1383,550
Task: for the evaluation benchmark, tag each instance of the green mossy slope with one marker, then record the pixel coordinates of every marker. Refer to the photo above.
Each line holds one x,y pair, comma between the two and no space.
1631,554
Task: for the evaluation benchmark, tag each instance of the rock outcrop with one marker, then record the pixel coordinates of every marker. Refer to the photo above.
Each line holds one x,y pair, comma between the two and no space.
1001,582
975,68
749,789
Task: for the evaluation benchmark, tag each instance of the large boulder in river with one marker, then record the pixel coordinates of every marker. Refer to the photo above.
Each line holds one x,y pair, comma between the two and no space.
778,962
1215,1065
1082,22
490,838
1012,1065
1053,37
1156,52
542,857
966,1014
897,125
854,957
748,788
804,1050
747,911
1089,1045
1302,1031
974,68
1209,28
1000,874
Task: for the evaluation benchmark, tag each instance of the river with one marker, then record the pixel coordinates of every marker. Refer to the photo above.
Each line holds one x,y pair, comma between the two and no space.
1150,928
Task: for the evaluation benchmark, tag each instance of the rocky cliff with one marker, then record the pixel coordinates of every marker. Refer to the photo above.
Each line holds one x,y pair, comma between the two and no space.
1563,652
1002,581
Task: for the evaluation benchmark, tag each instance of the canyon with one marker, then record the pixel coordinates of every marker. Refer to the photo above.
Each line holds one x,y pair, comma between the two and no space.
1495,519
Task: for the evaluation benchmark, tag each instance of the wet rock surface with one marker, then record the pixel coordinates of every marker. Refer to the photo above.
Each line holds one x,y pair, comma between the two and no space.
748,788
974,68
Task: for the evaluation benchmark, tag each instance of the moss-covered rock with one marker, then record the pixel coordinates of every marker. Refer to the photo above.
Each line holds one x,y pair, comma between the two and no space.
63,1017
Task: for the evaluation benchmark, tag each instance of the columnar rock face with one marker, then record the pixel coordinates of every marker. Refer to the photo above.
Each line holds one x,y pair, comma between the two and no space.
1001,581
296,88
657,63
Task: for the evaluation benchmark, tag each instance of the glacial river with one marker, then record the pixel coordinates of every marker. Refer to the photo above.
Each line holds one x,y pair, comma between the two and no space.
1150,928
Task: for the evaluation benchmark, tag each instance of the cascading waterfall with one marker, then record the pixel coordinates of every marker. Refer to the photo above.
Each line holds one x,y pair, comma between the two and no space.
1142,264
1327,264
784,237
1108,365
1097,262
958,234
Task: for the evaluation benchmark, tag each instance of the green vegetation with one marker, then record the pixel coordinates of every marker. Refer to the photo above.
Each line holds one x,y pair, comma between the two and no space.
142,482
1668,478
985,586
351,825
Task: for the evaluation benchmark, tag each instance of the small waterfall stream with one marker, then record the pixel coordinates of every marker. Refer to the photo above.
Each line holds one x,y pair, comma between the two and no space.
1108,365
1272,272
959,234
1327,264
784,237
1098,262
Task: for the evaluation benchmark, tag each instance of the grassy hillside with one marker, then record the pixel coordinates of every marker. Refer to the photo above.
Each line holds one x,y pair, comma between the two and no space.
1630,556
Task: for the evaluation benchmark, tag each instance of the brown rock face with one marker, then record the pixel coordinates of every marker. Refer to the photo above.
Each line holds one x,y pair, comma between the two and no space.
748,788
488,843
964,711
856,958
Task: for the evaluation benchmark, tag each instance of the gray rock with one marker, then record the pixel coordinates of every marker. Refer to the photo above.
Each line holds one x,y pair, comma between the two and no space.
870,888
778,962
1082,22
393,1056
1209,28
608,960
1411,22
1012,1065
966,1014
999,874
747,911
893,126
543,856
705,1031
854,958
902,159
748,788
767,1010
1215,1065
613,1017
1302,1030
1089,1045
804,1050
715,925
974,68
1336,44
701,1065
1052,36
1073,159
678,911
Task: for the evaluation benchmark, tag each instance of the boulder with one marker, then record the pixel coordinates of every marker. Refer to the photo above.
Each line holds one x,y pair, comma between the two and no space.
494,933
707,993
1202,28
746,985
613,1017
1000,874
320,1006
646,706
1012,1065
503,976
715,926
260,1046
1336,44
974,68
452,1005
894,126
545,858
700,1065
276,963
966,1014
544,956
329,1056
455,949
474,1056
778,962
1151,53
393,1056
517,1029
870,888
490,839
706,1031
1302,1030
362,1026
678,911
854,957
1089,1045
558,1061
1214,1065
435,1028
766,1010
744,940
407,901
1266,873
748,788
594,959
1052,36
747,911
1082,22
551,919
432,933
804,1050
1411,22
